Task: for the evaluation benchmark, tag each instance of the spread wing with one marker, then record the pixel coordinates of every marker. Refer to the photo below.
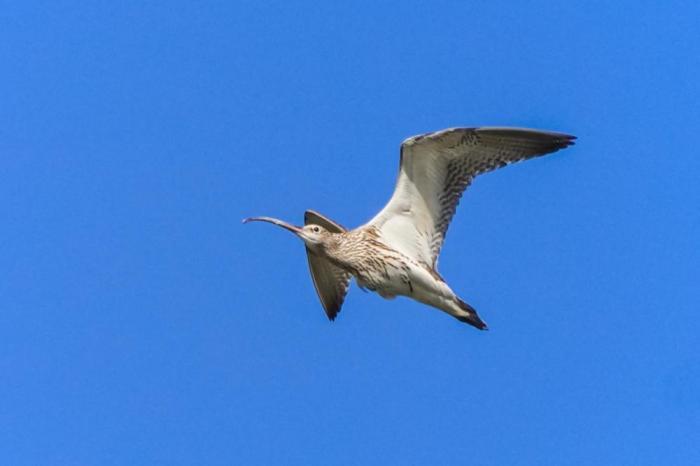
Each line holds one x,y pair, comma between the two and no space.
435,170
331,282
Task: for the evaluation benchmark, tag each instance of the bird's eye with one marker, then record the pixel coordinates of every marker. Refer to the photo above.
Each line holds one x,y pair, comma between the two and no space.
317,229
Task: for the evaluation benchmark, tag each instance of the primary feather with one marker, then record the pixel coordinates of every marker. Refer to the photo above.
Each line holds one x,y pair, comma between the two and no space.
435,170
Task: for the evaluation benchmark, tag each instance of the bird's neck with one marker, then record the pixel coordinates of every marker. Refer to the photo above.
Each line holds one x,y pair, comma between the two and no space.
343,249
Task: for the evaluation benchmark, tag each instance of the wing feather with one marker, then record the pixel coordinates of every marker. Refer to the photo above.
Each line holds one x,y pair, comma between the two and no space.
435,170
331,282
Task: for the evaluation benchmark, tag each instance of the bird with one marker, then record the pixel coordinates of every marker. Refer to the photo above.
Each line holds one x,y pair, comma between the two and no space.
396,252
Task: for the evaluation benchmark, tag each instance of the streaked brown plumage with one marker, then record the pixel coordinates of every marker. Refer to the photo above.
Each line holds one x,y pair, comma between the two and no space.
396,252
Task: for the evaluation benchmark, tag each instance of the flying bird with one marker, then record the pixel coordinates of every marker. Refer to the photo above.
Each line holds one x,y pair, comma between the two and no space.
396,252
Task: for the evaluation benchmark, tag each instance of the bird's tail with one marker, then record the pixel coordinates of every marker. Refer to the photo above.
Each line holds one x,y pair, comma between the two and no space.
469,315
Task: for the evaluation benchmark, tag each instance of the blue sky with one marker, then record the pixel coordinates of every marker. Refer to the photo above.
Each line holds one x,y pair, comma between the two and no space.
141,323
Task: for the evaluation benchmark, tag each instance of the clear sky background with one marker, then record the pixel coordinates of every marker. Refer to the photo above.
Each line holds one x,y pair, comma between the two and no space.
141,323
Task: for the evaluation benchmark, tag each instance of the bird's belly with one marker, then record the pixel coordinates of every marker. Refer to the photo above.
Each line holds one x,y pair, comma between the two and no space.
400,279
411,280
388,282
390,273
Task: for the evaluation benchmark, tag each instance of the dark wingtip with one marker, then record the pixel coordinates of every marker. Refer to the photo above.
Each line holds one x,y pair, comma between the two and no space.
562,141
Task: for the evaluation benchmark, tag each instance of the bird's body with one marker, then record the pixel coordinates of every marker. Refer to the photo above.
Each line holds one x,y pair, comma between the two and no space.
378,267
395,253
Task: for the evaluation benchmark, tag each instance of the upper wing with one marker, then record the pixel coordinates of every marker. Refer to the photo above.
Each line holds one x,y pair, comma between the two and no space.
331,282
435,170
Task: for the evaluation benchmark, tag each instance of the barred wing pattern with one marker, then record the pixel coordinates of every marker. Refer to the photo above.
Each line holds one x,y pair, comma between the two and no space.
331,282
435,170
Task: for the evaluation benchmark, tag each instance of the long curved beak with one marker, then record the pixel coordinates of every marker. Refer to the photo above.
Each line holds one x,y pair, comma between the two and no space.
288,226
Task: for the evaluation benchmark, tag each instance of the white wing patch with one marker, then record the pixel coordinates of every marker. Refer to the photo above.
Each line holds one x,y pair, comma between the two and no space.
435,170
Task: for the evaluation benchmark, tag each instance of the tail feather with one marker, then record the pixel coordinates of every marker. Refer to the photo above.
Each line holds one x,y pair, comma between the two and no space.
471,317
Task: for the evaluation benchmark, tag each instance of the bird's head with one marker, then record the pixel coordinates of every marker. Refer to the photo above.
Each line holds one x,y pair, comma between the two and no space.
312,235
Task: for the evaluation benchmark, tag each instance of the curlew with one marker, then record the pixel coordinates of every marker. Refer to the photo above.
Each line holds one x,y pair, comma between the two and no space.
396,252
